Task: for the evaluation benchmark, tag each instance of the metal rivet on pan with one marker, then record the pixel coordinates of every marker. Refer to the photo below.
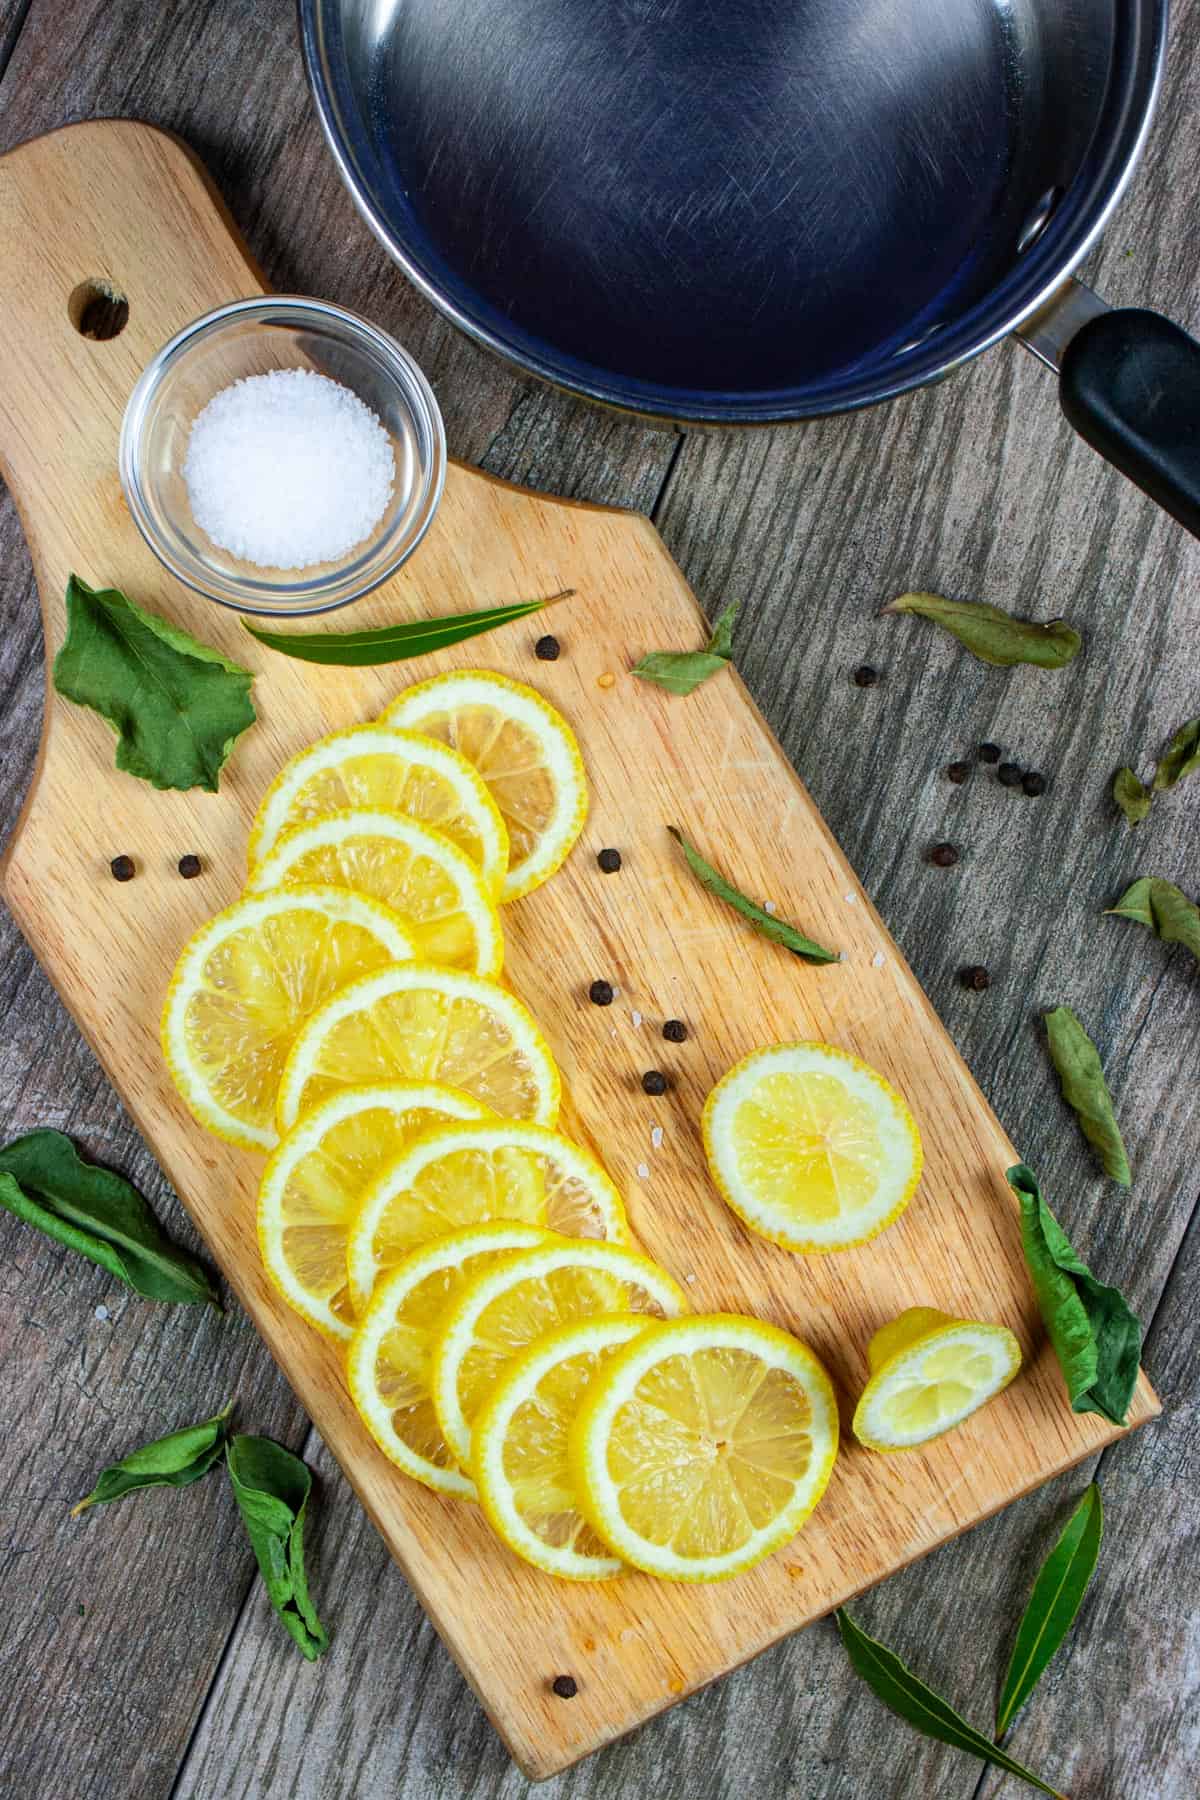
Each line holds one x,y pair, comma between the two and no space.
1039,217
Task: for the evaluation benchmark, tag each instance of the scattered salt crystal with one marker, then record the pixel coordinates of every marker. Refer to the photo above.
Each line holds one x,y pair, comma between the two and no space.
636,1016
879,959
627,1632
768,906
691,1280
288,469
656,1137
102,1313
643,1170
850,899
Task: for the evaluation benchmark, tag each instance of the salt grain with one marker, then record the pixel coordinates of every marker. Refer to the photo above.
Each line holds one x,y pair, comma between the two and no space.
656,1137
636,1016
879,959
288,469
643,1170
768,906
102,1313
850,899
691,1280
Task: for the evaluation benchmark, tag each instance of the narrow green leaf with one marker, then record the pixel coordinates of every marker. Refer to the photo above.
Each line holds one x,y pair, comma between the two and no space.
176,705
396,643
778,930
1163,907
1085,1090
97,1212
1180,758
995,636
272,1487
172,1461
682,671
1096,1338
1131,795
1057,1595
891,1681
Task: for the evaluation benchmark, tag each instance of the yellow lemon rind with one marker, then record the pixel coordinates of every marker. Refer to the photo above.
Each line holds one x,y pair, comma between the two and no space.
965,1331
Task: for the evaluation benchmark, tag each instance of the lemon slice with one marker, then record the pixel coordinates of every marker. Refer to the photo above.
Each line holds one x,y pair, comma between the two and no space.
314,1182
400,771
387,1363
524,750
246,983
505,1169
422,1023
929,1372
519,1449
810,1147
521,1299
421,875
703,1446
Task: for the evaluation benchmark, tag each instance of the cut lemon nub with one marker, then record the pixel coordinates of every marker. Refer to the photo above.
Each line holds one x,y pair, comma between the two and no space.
416,1022
703,1446
437,890
246,983
314,1182
401,771
929,1372
524,750
810,1147
455,1175
387,1363
523,1297
519,1449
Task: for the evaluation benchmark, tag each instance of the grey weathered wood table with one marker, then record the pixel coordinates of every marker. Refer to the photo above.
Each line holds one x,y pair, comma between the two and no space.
138,1656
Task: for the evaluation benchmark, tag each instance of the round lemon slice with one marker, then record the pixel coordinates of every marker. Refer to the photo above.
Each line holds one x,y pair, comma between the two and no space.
810,1147
387,1363
245,984
400,771
503,1169
703,1446
436,889
523,1297
314,1182
929,1372
524,750
422,1023
519,1449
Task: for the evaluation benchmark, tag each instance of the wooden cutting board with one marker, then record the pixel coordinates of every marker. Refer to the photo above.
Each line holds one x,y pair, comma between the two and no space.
123,204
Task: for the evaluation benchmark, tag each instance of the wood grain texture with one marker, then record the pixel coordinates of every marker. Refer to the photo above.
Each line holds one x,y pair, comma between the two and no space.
129,206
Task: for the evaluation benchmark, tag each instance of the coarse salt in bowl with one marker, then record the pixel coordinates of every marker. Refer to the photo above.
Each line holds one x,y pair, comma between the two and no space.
282,456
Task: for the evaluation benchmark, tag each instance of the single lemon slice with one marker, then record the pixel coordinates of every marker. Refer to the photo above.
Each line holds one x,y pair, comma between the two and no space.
810,1147
436,890
523,1297
421,1023
314,1183
506,1169
929,1372
388,1360
400,771
246,983
524,750
519,1448
704,1445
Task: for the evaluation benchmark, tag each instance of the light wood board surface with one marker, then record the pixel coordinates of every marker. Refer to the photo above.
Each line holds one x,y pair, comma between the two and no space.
126,204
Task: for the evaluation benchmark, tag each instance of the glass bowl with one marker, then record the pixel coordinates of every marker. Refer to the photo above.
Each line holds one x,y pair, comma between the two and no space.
252,337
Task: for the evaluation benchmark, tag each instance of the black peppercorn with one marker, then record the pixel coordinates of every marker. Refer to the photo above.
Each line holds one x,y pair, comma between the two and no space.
976,978
958,772
189,867
988,753
675,1031
122,868
943,856
1033,783
610,861
565,1686
601,993
654,1082
865,675
1009,775
547,648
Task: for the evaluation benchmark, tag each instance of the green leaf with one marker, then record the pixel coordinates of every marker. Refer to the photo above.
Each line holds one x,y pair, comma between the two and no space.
395,643
682,671
993,635
1096,1338
98,1213
778,930
1162,906
891,1681
1180,758
177,706
272,1487
1131,795
1057,1595
172,1461
1085,1090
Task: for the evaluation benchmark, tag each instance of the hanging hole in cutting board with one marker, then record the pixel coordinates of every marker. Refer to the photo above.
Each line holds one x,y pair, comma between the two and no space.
98,310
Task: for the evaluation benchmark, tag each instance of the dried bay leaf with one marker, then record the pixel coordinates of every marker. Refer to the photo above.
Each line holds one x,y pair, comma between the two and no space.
682,671
1131,795
993,635
173,1461
272,1487
1164,908
1085,1090
765,923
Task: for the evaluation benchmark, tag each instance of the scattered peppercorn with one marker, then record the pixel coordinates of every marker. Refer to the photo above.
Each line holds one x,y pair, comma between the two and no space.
958,772
988,753
565,1686
601,993
675,1031
865,675
1033,783
189,867
654,1082
976,978
547,648
122,868
610,861
943,856
1009,775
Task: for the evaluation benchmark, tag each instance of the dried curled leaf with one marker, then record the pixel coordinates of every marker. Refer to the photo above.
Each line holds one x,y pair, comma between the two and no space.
1180,758
995,636
272,1487
682,671
172,1461
1165,908
1057,1595
1085,1090
1131,795
778,930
